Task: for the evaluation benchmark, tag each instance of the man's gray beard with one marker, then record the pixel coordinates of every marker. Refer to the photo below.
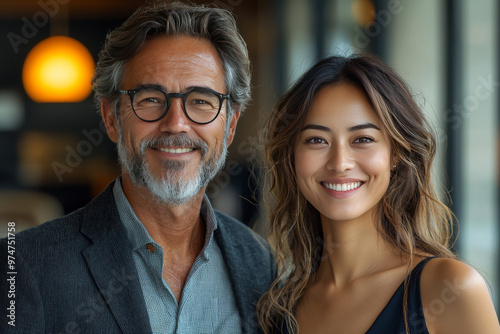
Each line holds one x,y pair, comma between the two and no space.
172,187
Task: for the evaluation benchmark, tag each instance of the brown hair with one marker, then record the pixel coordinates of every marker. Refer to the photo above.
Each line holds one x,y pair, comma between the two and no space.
412,218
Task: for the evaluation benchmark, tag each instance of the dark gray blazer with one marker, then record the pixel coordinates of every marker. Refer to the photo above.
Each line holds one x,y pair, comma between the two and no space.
76,274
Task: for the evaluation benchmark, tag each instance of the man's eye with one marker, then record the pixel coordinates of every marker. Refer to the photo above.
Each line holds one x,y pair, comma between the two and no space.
150,100
202,104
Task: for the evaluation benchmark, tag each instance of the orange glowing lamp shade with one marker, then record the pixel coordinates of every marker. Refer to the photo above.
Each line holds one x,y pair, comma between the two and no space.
363,12
58,69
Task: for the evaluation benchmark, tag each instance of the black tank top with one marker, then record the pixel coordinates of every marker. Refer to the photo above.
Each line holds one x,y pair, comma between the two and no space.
391,319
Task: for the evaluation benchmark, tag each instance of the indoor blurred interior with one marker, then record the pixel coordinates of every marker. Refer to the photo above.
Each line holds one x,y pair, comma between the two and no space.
57,157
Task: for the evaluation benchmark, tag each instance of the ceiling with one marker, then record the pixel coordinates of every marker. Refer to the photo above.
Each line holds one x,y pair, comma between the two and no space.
77,8
81,9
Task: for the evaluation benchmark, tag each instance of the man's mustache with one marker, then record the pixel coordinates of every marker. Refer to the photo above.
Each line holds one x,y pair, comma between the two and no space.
180,140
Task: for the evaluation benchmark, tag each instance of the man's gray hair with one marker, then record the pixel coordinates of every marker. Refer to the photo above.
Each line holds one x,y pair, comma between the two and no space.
177,19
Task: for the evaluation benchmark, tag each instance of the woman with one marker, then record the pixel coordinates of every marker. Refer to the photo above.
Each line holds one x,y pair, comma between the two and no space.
362,239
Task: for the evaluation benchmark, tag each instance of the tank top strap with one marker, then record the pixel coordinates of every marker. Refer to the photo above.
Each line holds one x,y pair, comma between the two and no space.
391,319
415,311
417,271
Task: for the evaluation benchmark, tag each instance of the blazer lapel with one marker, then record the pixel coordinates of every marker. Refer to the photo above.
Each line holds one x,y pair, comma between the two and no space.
241,273
111,264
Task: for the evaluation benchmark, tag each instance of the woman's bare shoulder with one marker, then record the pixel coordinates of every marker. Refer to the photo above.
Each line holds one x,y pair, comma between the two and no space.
456,299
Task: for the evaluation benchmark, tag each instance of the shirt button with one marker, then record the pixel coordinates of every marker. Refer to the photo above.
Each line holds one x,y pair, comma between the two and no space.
150,248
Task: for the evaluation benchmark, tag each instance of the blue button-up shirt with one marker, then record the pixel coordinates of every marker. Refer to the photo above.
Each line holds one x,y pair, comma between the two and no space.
207,303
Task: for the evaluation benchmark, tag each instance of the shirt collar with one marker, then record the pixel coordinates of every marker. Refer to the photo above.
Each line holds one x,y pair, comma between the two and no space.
139,235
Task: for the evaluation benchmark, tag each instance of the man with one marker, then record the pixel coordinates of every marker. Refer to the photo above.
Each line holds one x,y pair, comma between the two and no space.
149,254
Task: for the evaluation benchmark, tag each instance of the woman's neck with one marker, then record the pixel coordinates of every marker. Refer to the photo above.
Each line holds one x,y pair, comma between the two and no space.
353,250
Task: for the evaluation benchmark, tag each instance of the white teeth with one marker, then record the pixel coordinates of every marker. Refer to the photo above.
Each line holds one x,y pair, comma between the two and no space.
342,186
175,150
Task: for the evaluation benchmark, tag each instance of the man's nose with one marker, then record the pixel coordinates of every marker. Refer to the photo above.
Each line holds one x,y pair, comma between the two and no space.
175,120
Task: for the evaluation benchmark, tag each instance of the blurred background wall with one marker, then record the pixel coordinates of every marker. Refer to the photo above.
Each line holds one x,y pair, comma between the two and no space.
56,156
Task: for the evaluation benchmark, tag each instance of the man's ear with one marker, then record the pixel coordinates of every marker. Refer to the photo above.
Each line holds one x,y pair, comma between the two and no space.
232,126
109,118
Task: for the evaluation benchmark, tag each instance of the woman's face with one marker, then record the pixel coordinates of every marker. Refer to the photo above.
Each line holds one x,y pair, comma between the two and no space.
342,155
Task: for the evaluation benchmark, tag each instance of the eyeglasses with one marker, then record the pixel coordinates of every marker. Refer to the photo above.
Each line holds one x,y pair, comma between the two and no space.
200,105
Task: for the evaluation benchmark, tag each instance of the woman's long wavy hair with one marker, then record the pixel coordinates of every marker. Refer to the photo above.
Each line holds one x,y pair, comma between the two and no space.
411,217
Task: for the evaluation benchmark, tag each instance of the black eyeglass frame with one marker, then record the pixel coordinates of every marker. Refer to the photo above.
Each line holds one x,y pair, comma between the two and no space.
168,96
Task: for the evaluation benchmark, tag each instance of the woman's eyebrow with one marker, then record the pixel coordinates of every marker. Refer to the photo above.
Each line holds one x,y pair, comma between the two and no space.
316,127
351,129
363,126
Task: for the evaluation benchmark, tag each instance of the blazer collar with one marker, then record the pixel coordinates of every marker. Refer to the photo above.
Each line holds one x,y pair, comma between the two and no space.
109,259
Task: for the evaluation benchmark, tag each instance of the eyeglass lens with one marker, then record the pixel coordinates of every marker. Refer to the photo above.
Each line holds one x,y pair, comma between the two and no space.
201,106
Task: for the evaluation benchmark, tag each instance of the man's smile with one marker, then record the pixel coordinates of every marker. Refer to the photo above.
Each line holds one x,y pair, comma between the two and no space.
175,150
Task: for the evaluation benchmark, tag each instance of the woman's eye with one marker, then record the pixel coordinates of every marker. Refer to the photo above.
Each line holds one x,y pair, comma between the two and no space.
363,140
315,141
